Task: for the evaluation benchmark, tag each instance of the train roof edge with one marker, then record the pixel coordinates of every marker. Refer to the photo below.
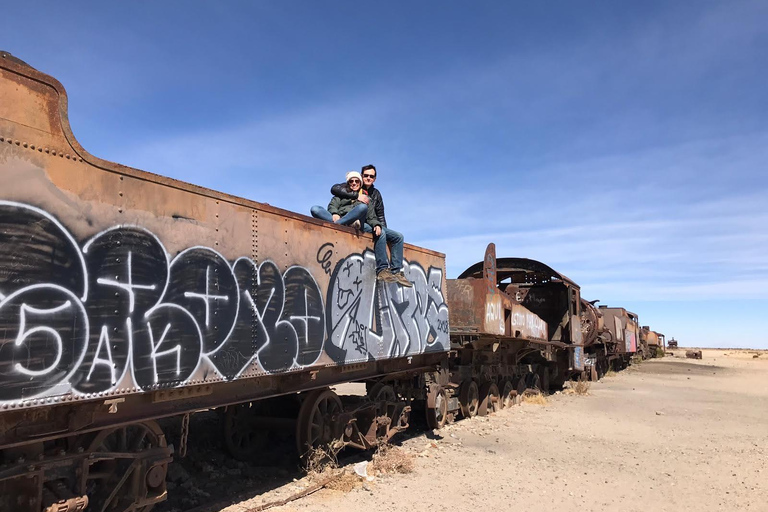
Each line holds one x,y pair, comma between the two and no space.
506,265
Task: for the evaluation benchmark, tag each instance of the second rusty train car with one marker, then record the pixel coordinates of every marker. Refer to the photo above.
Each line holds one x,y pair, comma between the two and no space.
515,325
611,338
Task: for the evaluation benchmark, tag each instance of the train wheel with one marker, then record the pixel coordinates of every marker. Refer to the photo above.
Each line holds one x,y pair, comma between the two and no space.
382,392
521,387
507,395
533,382
315,427
437,416
544,381
469,398
491,401
119,480
242,437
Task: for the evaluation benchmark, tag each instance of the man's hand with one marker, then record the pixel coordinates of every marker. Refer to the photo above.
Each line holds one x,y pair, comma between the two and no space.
364,199
336,217
377,231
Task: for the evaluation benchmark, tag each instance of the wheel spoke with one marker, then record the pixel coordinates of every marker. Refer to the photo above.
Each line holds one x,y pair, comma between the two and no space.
139,440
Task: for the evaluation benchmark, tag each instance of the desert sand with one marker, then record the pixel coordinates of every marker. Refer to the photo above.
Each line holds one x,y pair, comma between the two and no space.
667,434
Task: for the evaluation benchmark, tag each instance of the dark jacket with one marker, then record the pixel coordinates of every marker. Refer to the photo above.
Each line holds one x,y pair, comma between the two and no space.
375,203
342,206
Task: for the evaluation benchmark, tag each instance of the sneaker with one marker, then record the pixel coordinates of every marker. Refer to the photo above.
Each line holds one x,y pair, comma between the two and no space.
385,276
401,279
356,224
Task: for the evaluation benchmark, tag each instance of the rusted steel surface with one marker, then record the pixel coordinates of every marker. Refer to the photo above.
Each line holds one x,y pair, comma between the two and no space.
478,305
623,328
521,300
650,337
592,324
115,282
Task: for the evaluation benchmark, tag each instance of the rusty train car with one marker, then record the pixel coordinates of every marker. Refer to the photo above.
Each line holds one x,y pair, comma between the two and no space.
515,325
127,297
654,341
611,338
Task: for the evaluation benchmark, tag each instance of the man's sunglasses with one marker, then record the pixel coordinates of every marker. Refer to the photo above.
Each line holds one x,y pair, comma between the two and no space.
369,176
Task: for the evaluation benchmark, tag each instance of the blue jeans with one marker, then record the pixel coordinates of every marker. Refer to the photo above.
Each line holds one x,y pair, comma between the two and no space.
393,239
359,212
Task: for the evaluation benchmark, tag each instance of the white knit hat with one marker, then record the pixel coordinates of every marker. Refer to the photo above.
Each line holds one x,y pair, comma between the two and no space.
354,174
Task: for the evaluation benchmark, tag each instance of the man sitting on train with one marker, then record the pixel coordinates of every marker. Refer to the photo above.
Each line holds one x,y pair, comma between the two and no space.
383,237
350,210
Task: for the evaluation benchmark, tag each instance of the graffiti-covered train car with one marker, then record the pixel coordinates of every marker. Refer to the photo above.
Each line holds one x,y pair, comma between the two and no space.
126,296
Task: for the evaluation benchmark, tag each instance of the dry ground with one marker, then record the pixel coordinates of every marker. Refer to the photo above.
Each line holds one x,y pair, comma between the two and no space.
669,434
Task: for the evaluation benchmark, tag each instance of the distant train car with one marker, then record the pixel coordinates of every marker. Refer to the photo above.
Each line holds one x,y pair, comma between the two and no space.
515,325
624,330
611,337
126,297
653,340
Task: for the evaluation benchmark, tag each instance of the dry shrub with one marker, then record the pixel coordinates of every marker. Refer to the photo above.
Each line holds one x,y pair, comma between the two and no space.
345,482
534,397
323,459
579,387
582,387
610,373
391,459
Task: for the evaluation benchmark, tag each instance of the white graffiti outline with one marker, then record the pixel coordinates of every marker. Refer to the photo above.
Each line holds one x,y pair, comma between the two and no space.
154,361
24,334
110,363
127,287
128,322
77,303
205,297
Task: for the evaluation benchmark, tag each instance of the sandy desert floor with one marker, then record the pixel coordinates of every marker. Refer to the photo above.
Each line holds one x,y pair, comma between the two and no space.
668,434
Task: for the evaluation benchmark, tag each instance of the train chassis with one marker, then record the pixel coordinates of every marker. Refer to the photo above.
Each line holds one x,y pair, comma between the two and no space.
119,468
123,468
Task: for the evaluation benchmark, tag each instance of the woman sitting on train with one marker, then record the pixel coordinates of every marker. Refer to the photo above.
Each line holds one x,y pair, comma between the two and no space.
348,212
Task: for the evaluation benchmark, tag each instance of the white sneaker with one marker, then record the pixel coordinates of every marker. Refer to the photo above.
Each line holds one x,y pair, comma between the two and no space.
356,224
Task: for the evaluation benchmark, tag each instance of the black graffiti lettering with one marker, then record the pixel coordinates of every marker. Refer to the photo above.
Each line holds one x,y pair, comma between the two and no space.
166,347
119,314
324,255
304,310
127,273
357,337
46,334
201,281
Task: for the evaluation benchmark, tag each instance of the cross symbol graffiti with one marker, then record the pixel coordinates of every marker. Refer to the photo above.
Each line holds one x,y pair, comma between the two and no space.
128,286
207,297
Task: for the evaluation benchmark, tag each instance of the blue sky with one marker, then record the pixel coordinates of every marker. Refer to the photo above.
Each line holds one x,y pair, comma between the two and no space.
623,143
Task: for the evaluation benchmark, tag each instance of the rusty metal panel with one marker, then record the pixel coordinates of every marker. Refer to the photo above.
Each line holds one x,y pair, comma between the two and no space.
115,281
478,305
526,324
